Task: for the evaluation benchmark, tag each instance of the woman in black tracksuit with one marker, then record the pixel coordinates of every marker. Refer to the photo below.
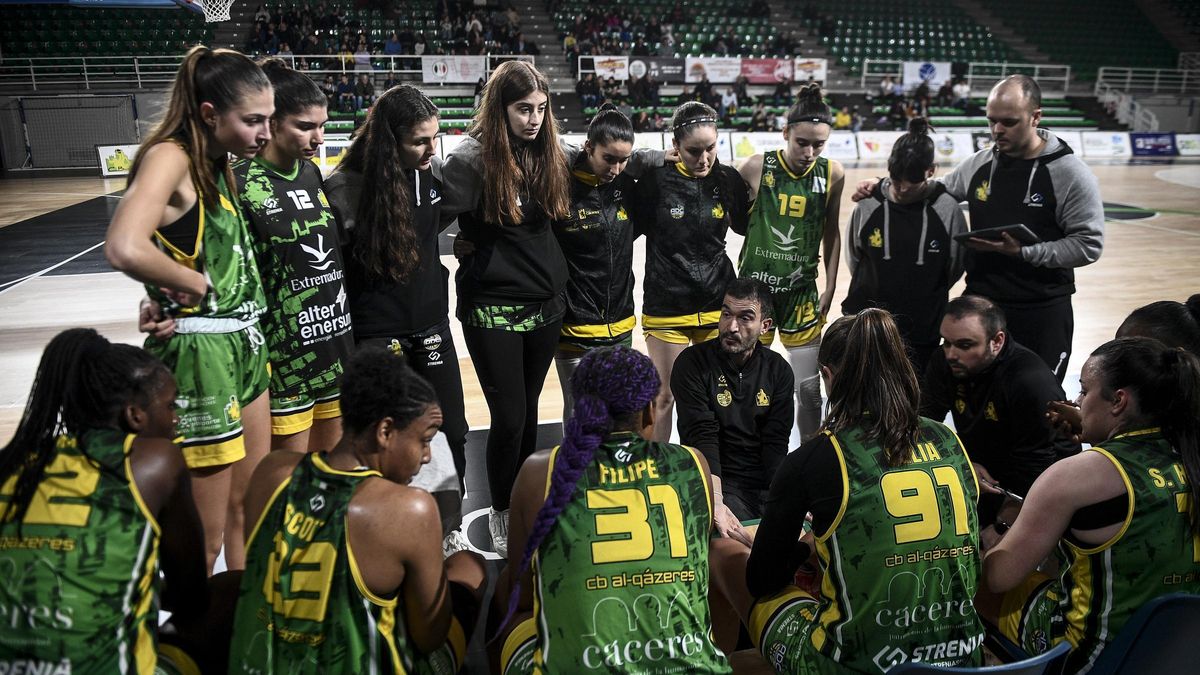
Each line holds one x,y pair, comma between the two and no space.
387,198
900,246
597,240
688,208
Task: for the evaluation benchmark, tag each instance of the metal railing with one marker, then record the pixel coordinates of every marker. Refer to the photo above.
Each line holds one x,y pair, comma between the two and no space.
1150,80
1053,78
1127,111
147,72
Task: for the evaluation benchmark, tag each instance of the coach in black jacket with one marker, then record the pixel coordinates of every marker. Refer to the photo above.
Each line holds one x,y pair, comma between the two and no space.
733,398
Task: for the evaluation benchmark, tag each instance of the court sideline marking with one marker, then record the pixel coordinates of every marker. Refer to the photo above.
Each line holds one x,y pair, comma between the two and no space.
16,283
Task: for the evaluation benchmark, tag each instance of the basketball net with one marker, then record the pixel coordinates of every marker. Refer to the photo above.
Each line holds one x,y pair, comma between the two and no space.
214,10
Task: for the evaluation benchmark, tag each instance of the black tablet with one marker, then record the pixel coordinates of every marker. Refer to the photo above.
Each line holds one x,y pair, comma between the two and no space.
1018,232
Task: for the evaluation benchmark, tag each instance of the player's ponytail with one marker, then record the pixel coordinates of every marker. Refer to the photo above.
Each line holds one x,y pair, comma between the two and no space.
874,387
912,154
83,382
810,106
610,387
609,125
384,238
1165,385
222,77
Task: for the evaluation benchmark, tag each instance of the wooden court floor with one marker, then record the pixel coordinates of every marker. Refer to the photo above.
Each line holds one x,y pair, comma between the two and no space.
53,275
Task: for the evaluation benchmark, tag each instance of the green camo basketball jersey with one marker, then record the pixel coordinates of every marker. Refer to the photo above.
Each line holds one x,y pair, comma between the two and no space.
78,580
787,220
622,579
303,607
296,243
1154,554
222,251
900,572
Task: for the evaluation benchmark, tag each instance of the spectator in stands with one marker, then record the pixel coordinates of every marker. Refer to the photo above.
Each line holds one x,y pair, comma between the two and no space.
885,88
741,87
962,94
997,392
945,93
329,88
651,87
729,104
660,124
783,93
285,50
856,121
364,92
897,88
640,48
758,118
586,88
636,90
393,47
479,84
642,122
704,91
420,46
841,120
345,94
391,81
261,14
612,91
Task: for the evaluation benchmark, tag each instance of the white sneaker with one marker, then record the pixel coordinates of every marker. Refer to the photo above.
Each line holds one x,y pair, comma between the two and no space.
498,527
454,542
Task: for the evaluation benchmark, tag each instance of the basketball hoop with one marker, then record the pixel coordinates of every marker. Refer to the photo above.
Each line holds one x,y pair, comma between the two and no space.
214,10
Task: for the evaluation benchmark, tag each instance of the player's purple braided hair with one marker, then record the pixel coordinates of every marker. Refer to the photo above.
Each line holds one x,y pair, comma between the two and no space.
610,383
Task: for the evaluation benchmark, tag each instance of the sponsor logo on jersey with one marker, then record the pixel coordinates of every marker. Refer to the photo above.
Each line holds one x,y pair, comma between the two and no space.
876,239
981,192
718,211
324,321
623,455
432,341
621,214
934,246
272,205
818,185
395,347
762,399
40,667
233,410
321,198
677,212
724,398
769,179
785,242
948,653
627,654
320,259
316,503
1036,199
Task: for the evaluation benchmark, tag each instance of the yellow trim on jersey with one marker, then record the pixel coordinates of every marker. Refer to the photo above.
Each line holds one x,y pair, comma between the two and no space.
694,320
327,410
705,479
1081,599
133,488
550,470
179,256
456,641
324,466
682,336
143,646
356,574
1132,503
181,660
833,611
764,611
267,509
524,633
800,338
1016,603
971,464
600,330
292,423
837,520
683,170
586,177
220,453
386,626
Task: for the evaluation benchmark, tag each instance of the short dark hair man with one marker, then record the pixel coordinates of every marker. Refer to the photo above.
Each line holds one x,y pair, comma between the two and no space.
733,400
997,391
1031,178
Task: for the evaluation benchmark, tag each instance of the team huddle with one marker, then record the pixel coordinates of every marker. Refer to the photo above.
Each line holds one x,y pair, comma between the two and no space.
299,363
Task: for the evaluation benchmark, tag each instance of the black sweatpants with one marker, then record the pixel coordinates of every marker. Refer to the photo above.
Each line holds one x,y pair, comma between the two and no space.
432,354
512,368
1045,330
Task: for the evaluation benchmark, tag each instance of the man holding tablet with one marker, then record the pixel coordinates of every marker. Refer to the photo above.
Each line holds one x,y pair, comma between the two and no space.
1031,178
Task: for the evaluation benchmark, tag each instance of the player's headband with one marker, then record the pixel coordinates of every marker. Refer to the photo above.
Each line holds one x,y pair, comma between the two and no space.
815,119
698,120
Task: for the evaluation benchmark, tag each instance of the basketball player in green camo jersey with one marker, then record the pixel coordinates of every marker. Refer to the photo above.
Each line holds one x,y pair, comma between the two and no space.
616,527
94,501
1124,514
345,571
793,223
181,195
892,498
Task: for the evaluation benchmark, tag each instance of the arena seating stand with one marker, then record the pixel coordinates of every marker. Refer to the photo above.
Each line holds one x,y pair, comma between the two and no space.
64,30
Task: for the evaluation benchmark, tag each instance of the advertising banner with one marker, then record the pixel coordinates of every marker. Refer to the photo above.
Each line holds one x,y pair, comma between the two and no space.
719,69
649,139
616,67
116,160
1106,144
724,147
841,145
663,70
876,144
982,140
1073,139
1153,145
767,71
449,142
746,144
817,69
1188,145
951,148
453,69
933,72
